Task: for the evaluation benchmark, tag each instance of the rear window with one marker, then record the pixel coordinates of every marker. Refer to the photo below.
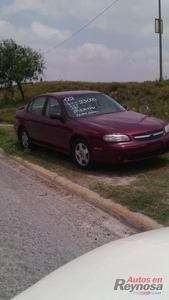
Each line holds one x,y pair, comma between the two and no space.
36,106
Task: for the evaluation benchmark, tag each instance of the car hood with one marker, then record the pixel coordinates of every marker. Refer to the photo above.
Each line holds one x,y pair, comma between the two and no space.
123,269
125,122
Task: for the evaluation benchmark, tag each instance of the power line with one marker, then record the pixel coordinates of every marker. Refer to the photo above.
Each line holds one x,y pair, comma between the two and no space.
81,28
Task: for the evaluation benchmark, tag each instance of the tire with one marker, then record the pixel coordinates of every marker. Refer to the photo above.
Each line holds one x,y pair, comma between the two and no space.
25,139
82,154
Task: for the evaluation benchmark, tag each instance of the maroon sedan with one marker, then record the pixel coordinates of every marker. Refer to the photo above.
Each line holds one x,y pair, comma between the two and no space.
90,127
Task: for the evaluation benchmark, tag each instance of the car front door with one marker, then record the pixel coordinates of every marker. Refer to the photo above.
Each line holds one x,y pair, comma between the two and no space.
56,133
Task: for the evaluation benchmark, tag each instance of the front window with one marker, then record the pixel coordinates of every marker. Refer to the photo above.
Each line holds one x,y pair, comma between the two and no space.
90,105
52,107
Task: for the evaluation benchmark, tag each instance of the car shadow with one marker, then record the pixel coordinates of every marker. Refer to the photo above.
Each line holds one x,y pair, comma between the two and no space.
134,168
62,161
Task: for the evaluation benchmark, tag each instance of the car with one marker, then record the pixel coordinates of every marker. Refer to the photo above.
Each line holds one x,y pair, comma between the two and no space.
124,269
90,127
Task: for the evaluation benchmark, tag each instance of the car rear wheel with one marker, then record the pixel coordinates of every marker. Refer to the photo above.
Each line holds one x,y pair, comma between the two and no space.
25,139
82,154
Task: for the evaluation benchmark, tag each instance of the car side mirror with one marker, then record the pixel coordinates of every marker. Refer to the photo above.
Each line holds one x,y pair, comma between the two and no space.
57,116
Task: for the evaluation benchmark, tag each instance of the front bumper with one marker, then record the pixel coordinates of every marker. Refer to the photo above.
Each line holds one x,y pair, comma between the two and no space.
130,151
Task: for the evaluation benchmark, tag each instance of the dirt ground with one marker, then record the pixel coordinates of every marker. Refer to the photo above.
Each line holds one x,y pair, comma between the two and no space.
106,179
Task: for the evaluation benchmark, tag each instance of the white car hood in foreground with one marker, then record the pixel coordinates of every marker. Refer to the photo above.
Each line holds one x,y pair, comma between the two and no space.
125,269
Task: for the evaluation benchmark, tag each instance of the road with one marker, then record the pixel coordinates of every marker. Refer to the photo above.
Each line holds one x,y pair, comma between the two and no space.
43,226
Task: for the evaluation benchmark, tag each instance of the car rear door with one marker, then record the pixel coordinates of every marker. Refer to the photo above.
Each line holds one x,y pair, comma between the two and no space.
34,118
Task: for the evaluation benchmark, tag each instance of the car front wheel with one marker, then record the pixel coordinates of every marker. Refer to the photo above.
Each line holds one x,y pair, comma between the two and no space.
25,139
82,154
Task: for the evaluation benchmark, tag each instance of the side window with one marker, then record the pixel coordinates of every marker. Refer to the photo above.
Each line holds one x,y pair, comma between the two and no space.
52,107
36,106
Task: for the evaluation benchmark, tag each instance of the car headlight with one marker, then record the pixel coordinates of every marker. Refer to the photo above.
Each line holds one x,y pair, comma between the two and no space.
167,128
116,138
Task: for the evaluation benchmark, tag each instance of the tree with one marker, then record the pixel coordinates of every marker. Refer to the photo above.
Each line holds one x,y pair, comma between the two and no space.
19,64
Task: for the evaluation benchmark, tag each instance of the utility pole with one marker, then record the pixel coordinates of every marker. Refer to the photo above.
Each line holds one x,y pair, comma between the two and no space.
160,42
159,29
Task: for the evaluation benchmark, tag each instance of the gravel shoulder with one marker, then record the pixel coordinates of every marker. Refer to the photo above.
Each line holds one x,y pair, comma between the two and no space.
44,226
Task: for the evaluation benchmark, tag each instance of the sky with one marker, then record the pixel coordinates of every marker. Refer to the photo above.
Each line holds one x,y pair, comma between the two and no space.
112,41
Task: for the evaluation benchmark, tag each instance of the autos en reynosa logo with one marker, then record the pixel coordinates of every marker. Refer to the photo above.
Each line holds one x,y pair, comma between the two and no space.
140,285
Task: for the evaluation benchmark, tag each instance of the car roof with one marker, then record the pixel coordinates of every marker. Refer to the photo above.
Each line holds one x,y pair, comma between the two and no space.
71,93
123,269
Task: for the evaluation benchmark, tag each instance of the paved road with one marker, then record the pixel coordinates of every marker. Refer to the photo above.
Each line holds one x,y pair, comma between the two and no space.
43,226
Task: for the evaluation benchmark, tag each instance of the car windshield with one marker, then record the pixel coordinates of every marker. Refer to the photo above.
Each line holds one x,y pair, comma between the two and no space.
90,105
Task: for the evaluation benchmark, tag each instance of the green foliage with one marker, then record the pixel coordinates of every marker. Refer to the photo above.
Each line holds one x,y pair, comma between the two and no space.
19,64
7,115
146,97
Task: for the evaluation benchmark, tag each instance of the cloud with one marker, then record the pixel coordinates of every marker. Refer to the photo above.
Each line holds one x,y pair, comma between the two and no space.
6,28
130,17
45,33
93,62
10,31
37,34
120,45
40,6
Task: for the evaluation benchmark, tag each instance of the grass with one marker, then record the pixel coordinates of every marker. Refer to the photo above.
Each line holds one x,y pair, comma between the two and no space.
145,97
147,194
49,159
7,114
